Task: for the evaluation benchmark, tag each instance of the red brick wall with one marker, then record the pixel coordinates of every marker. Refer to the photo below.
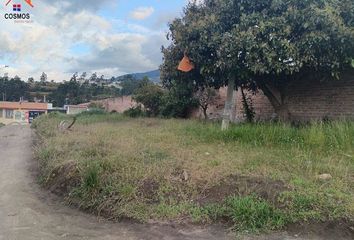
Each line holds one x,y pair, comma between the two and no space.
312,99
263,109
309,99
120,104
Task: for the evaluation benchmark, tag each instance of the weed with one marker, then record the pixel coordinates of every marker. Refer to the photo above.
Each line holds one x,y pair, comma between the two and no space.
159,169
251,213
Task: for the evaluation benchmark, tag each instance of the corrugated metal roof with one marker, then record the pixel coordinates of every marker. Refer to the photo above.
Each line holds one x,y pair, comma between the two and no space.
24,105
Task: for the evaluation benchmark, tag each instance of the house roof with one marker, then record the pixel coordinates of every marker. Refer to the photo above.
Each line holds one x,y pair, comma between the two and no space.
24,105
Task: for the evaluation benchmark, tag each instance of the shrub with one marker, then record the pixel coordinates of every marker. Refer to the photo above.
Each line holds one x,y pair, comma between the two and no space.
150,96
92,112
178,101
135,112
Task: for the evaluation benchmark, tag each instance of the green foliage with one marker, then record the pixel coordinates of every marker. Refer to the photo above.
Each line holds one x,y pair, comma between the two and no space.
178,101
135,112
248,107
271,37
150,96
312,204
73,92
262,44
13,89
252,213
91,112
129,85
91,176
335,136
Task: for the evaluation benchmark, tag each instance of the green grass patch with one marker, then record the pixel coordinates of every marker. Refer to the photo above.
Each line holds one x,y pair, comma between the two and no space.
180,170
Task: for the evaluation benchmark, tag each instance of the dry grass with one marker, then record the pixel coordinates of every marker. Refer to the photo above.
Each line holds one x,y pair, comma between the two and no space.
158,169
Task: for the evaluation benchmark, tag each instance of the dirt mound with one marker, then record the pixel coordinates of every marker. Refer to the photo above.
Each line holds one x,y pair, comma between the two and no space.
323,230
242,186
148,190
63,179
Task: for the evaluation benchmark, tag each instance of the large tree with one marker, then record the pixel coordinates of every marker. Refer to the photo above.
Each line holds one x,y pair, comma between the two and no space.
265,44
13,89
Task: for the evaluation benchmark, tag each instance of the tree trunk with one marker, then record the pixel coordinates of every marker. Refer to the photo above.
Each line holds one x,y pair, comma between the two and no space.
228,105
205,112
278,101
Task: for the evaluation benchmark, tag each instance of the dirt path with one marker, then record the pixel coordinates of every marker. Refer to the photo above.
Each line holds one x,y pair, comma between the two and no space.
29,213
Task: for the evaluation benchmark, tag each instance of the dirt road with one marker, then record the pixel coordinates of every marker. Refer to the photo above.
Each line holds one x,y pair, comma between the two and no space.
29,213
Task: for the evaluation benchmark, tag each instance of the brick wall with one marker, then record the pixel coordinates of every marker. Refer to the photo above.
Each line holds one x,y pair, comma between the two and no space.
309,99
314,99
119,104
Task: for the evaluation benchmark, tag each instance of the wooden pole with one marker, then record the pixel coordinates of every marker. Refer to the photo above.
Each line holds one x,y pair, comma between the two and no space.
228,105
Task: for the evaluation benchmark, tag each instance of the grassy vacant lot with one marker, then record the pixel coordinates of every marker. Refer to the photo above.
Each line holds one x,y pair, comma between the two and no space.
253,177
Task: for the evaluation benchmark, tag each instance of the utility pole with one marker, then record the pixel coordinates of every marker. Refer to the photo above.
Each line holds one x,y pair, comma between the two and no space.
229,104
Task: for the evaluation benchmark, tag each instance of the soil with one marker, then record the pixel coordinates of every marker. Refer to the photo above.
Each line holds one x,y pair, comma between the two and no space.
61,184
242,186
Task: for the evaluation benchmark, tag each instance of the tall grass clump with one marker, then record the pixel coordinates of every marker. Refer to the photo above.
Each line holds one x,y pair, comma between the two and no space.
317,135
252,213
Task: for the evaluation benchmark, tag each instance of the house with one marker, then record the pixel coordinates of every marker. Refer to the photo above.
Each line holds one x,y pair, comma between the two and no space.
22,112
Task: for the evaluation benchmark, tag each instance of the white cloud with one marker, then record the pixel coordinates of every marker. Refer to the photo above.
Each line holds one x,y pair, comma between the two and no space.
124,53
142,13
45,45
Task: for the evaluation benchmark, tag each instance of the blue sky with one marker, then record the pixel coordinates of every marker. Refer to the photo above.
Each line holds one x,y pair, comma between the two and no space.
110,37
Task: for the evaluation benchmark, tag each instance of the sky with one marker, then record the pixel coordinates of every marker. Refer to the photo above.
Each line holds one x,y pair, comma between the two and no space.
110,37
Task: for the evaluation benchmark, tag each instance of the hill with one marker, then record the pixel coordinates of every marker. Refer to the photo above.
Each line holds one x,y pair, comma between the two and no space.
154,76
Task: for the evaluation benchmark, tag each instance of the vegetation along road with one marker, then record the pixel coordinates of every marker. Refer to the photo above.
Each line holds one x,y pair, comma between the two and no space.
27,213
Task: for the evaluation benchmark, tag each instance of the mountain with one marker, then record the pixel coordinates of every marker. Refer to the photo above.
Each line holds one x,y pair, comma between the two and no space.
154,76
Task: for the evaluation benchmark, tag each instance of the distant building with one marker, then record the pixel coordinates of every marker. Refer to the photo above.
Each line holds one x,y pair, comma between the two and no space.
76,109
22,112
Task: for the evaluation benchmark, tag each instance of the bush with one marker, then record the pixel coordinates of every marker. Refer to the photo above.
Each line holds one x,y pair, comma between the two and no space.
150,96
135,112
178,101
91,112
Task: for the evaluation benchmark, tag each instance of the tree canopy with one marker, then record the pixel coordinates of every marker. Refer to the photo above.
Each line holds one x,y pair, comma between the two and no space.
263,44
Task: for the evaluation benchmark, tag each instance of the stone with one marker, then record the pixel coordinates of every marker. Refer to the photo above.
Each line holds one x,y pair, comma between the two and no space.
325,177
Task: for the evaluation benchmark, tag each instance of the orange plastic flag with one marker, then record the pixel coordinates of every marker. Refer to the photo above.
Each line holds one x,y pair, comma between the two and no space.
185,65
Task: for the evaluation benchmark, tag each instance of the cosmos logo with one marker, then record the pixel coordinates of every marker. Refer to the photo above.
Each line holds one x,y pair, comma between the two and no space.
17,14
